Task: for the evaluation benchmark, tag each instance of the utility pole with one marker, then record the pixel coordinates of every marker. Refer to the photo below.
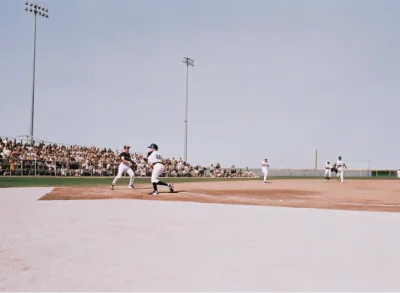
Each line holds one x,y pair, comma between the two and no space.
316,160
369,167
41,11
188,62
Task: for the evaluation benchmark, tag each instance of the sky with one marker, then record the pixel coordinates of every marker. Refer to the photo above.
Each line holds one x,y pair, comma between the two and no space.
272,79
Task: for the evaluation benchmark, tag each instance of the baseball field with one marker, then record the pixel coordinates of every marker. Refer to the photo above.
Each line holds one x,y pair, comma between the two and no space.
304,234
353,194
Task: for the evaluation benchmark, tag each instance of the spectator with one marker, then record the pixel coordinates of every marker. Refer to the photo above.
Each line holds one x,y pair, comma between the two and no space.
233,171
212,170
56,159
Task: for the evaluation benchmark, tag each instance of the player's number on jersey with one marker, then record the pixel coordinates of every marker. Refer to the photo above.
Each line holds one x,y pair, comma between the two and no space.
158,157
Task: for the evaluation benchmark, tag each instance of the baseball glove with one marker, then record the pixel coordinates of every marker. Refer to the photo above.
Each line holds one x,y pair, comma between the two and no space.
334,170
148,155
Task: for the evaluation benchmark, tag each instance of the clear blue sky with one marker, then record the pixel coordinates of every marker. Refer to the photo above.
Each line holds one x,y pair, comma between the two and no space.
271,78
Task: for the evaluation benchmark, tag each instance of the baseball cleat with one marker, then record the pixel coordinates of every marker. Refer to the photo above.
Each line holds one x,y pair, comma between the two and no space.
131,186
171,187
112,187
154,193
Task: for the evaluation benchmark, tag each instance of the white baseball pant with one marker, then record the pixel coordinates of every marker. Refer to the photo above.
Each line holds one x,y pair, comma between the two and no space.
340,173
265,172
124,168
158,169
328,173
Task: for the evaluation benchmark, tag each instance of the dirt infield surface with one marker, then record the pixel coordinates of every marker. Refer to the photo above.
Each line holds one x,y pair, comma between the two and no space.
360,195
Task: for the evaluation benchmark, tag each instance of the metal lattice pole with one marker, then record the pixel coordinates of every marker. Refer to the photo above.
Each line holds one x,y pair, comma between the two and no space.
43,12
188,62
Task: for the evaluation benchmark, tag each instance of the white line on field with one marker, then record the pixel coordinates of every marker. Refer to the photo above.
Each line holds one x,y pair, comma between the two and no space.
191,193
297,201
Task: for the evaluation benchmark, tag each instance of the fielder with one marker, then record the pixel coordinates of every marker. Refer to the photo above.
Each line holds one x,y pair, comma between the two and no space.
398,174
155,160
340,165
264,169
124,167
328,171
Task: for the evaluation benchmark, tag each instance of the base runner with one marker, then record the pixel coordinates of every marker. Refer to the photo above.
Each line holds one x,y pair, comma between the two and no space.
155,160
264,169
340,165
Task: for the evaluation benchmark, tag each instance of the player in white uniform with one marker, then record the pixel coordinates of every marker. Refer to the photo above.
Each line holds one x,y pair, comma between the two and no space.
340,165
155,160
264,169
327,171
398,173
125,167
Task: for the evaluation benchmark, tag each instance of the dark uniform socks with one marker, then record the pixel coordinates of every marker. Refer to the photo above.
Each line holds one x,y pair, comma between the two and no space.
159,183
162,183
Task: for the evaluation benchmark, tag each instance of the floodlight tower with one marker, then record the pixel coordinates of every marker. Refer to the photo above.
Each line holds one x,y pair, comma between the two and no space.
43,12
188,62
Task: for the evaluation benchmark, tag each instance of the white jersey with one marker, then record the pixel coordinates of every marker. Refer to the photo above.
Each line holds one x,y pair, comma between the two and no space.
328,165
264,165
339,164
398,173
155,157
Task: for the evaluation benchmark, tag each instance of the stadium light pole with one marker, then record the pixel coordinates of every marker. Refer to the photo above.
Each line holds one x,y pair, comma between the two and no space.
188,62
43,12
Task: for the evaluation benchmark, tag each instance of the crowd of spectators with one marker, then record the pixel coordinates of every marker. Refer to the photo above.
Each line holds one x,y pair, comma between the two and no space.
23,158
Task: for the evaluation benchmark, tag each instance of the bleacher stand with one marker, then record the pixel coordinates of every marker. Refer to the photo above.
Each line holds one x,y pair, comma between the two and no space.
19,158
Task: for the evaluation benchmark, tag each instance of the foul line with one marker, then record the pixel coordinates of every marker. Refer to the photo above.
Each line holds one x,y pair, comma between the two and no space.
191,193
296,201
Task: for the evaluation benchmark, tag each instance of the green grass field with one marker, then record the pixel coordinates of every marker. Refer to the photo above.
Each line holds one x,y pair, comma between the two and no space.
20,181
16,181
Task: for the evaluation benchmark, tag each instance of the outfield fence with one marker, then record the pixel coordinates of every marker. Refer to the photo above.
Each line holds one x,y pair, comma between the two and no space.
321,173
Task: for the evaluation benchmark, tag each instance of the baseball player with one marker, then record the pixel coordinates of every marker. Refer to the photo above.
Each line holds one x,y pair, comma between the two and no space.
155,160
340,165
327,171
398,173
125,167
264,169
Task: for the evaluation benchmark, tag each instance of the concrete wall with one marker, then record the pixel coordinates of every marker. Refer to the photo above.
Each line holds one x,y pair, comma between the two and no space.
314,173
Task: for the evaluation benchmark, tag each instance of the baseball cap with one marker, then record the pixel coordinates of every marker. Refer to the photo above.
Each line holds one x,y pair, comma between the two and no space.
127,146
153,146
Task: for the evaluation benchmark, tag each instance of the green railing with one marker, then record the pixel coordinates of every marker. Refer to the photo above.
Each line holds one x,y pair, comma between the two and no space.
384,173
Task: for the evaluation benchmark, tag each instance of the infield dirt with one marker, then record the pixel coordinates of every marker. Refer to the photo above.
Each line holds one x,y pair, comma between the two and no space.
359,195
